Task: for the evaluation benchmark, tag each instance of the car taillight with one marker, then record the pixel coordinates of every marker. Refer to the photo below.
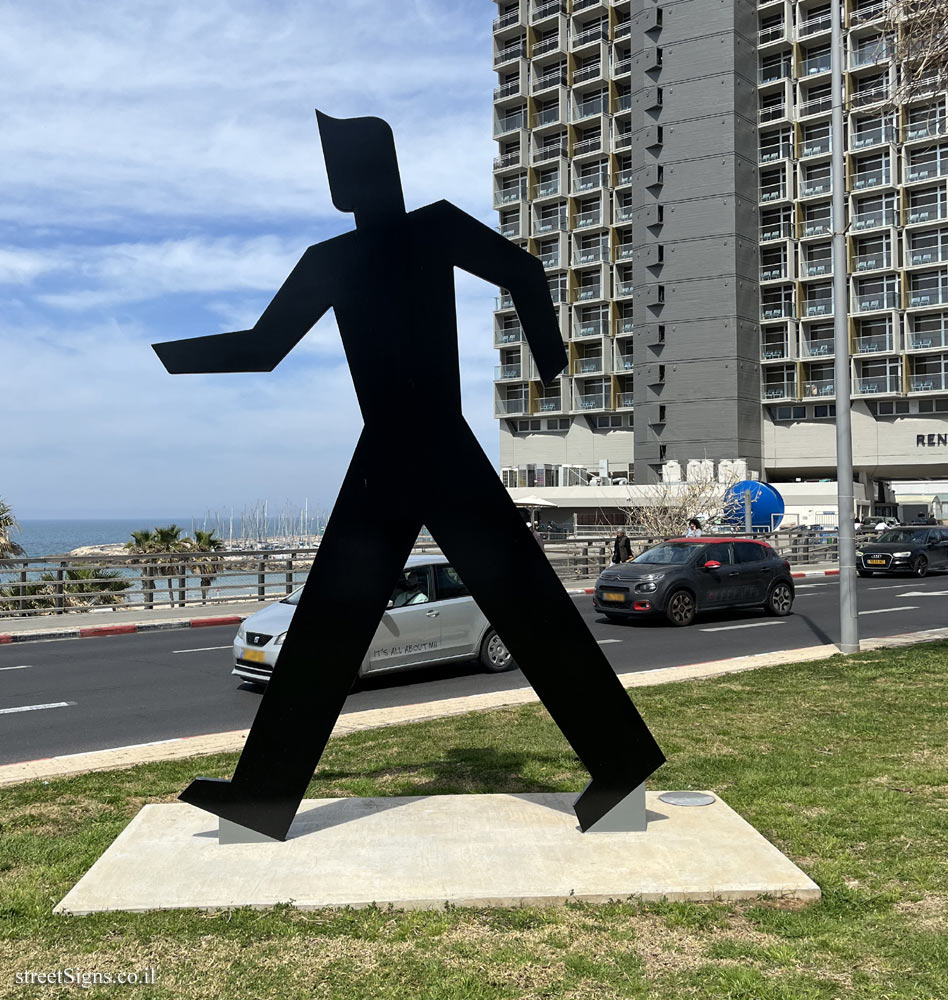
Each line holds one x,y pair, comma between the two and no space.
787,564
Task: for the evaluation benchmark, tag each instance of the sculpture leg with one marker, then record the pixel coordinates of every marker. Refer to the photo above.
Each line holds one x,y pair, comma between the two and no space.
482,534
364,548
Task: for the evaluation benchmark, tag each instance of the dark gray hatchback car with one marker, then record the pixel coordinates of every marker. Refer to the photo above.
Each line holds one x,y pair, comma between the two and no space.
683,576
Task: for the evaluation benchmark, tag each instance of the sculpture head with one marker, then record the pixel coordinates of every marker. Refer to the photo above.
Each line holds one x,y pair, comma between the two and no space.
362,167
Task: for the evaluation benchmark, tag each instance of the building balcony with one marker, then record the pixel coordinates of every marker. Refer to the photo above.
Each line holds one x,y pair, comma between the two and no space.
774,272
581,112
508,160
623,289
869,55
548,404
550,223
927,339
773,192
622,140
512,89
543,11
819,387
772,113
817,268
865,179
816,186
867,12
815,106
814,26
776,231
818,307
502,372
515,407
509,54
588,293
816,146
934,382
593,328
780,390
624,102
548,116
586,73
872,345
586,366
623,362
593,401
508,335
816,64
506,20
591,145
815,227
775,33
548,81
871,137
590,182
583,220
872,301
623,325
770,154
600,33
926,171
503,301
546,45
546,189
509,230
549,259
511,124
928,129
623,177
871,95
625,400
819,348
624,251
621,67
776,310
542,154
774,73
926,255
935,296
873,220
873,385
774,352
623,29
508,196
872,261
925,213
590,255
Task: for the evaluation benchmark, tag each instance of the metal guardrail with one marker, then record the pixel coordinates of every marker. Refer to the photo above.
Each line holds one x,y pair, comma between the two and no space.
59,585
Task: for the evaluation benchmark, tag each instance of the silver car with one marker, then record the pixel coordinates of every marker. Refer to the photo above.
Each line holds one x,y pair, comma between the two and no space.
431,618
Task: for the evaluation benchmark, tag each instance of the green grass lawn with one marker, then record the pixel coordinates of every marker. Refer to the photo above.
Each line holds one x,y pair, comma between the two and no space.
842,763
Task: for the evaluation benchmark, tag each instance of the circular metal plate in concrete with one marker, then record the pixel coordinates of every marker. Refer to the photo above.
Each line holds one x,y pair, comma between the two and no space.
687,798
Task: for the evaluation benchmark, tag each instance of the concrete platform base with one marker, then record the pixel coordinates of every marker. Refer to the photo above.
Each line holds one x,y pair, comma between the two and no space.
423,852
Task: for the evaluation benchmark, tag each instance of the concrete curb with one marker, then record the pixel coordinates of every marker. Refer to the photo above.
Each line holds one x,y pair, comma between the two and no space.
97,631
181,747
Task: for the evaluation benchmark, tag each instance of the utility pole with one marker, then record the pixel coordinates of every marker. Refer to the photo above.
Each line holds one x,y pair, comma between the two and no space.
848,620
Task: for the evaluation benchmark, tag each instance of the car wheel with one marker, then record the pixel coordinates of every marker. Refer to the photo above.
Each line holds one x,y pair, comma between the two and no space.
920,566
495,656
680,608
863,572
779,600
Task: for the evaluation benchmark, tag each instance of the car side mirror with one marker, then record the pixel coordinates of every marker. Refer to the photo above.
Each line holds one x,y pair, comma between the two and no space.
390,605
712,564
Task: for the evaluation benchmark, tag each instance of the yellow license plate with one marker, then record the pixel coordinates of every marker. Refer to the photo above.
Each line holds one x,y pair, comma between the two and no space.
876,562
254,655
612,595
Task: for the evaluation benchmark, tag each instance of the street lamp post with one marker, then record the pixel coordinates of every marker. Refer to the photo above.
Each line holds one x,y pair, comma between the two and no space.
848,613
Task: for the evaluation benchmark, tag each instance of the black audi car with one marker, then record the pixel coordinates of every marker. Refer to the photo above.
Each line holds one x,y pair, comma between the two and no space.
683,576
912,549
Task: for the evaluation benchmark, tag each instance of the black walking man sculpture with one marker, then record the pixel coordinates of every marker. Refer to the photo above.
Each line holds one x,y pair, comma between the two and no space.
391,284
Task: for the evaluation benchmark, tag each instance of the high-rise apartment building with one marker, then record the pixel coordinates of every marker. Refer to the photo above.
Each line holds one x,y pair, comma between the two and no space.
669,162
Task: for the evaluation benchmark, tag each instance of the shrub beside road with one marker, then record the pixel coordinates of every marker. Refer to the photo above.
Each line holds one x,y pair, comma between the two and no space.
842,763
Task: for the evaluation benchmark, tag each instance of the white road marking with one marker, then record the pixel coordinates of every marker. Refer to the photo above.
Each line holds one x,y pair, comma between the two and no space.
890,586
924,593
603,642
36,708
22,666
729,628
882,611
202,649
806,586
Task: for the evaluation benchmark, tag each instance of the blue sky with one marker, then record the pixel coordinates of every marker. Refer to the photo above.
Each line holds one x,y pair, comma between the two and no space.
161,175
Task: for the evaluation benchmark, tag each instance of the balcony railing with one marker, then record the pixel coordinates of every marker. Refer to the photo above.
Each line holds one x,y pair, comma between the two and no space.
622,67
871,301
622,140
623,289
869,385
818,267
923,340
874,220
923,171
550,223
868,12
593,401
623,102
590,255
815,25
557,79
816,227
869,54
593,328
623,177
773,352
872,345
819,348
624,251
509,229
936,296
503,301
590,35
780,390
773,192
586,292
548,116
870,178
623,325
510,407
770,74
543,153
505,20
582,111
924,129
927,255
507,195
507,371
871,95
816,64
625,400
549,404
546,45
772,113
776,230
559,293
586,366
816,185
587,73
591,181
508,335
775,33
623,29
590,145
510,124
585,219
510,53
816,106
819,387
816,146
818,307
926,213
872,137
768,154
624,362
776,310
774,272
549,259
511,89
872,261
507,160
546,188
934,382
545,10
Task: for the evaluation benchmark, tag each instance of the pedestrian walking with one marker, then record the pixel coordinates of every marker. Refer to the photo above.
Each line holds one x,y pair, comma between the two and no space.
694,528
621,548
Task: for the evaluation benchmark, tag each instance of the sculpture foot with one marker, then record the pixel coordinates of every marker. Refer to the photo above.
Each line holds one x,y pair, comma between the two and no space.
224,799
611,808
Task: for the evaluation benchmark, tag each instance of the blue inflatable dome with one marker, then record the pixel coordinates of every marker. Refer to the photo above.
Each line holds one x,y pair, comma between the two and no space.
767,506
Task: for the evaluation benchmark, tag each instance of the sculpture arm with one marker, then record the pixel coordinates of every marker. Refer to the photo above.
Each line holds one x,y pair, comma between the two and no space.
295,308
481,251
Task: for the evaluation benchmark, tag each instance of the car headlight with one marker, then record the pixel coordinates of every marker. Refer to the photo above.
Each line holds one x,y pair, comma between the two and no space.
645,588
901,555
278,641
241,634
859,553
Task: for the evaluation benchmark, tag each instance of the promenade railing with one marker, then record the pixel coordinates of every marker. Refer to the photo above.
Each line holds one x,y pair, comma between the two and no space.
58,585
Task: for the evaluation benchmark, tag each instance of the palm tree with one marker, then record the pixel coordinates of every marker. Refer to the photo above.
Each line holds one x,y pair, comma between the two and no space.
91,588
8,547
144,542
169,540
206,566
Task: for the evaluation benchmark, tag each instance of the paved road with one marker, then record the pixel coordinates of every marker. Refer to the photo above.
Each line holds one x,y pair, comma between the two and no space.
74,695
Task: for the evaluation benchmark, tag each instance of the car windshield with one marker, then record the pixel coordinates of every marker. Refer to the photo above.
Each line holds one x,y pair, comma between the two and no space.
913,536
668,554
